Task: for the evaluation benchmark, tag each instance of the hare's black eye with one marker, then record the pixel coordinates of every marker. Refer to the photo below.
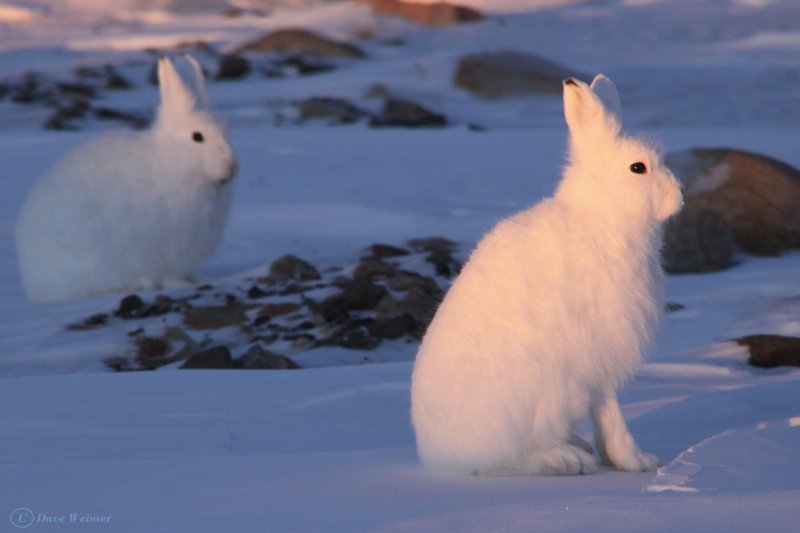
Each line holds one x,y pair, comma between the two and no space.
197,137
639,168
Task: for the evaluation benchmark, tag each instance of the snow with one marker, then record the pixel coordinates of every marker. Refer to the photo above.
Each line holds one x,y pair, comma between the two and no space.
330,448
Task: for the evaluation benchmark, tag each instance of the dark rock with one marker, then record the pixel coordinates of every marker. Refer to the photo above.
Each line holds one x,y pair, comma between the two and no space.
114,80
216,357
257,358
76,91
758,196
94,321
63,118
355,336
217,316
290,267
697,240
232,67
131,306
672,307
161,306
117,363
432,244
430,14
444,262
373,268
295,40
382,251
507,73
357,295
29,89
334,110
402,113
405,280
278,309
418,303
255,292
393,328
769,351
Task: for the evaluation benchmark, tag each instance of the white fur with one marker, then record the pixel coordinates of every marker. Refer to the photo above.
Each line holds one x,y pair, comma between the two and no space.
130,210
551,314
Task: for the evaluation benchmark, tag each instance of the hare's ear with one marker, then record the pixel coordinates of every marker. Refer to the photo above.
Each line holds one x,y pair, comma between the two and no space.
177,100
605,89
199,81
585,112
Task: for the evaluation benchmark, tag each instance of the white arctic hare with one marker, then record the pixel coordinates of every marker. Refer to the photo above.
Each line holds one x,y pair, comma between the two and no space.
131,210
551,314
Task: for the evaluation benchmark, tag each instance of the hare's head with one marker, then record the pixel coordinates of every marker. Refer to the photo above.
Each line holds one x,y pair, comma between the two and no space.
607,169
186,132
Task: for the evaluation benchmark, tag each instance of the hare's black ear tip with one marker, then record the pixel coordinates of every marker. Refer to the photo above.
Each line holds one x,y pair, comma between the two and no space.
570,81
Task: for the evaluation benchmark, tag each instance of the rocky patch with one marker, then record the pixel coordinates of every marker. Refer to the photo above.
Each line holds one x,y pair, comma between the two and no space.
697,240
391,293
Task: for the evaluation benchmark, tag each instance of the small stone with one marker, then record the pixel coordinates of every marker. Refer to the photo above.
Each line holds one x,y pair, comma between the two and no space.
373,268
295,40
393,328
402,113
672,307
432,244
257,358
217,316
334,110
255,292
357,295
290,267
769,351
232,67
216,357
403,281
131,306
160,306
444,262
94,321
353,336
118,364
382,251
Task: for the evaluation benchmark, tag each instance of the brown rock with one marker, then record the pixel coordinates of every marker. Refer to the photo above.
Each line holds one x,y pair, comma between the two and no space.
336,110
290,267
434,14
697,240
257,358
373,268
232,67
357,295
216,357
382,251
506,73
296,40
758,196
769,351
216,316
405,114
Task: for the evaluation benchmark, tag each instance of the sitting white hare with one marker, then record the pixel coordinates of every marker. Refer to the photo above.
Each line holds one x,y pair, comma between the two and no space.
551,314
131,210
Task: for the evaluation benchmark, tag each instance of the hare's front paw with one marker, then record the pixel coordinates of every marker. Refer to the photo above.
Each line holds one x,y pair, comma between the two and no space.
564,460
636,461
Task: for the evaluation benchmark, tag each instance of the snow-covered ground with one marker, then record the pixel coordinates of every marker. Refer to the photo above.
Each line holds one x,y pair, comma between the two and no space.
331,448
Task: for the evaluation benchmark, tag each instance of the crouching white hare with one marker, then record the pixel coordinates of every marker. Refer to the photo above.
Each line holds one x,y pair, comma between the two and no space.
552,313
131,210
